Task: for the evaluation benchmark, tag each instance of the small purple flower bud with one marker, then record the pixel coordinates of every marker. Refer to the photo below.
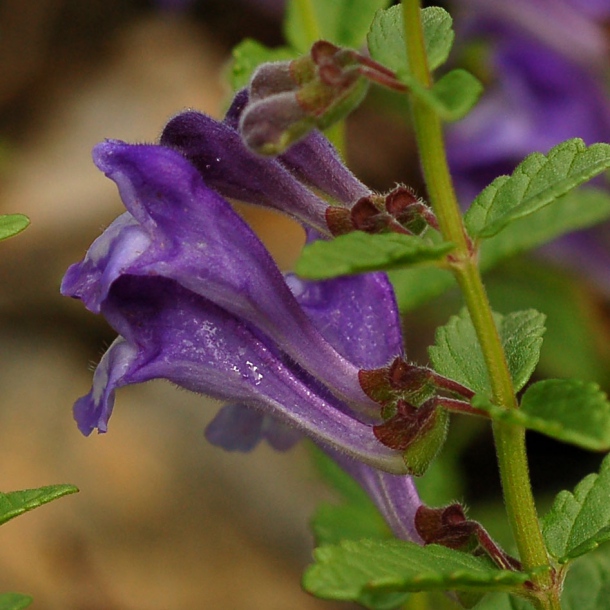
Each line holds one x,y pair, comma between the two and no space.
270,125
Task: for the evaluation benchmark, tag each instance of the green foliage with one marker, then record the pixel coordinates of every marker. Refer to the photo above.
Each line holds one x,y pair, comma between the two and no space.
14,601
453,95
536,182
575,411
360,252
343,22
15,503
568,410
248,55
579,522
457,353
11,224
386,38
345,571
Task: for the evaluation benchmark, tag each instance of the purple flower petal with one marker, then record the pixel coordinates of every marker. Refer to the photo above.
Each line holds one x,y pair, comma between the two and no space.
226,165
198,240
357,315
169,332
314,160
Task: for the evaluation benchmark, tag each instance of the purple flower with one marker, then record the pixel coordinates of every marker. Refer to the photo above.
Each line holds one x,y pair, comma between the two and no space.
196,299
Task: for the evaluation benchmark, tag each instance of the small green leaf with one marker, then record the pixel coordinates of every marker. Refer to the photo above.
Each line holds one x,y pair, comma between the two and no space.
342,22
248,55
455,94
457,353
386,38
14,601
11,224
577,411
15,503
536,182
579,522
568,410
451,97
360,252
345,571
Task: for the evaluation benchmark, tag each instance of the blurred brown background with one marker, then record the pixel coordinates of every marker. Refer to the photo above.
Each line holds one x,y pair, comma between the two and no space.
163,520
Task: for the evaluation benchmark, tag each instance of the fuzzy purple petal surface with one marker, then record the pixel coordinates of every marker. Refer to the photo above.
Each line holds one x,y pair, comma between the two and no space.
199,241
314,160
357,315
172,333
217,151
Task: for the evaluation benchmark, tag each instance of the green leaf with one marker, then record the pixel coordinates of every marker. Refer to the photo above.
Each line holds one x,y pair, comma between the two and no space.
455,94
343,22
11,224
576,210
360,252
536,182
579,522
15,503
457,353
451,97
248,55
386,38
14,601
568,410
345,571
574,411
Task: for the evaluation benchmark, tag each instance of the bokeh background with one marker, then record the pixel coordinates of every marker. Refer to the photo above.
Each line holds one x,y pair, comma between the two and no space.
163,520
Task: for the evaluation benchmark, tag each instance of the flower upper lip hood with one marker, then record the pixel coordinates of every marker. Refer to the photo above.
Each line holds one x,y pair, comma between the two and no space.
197,299
216,149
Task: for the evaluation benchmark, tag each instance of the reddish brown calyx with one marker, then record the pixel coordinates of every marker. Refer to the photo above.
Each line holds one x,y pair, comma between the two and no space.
449,527
399,211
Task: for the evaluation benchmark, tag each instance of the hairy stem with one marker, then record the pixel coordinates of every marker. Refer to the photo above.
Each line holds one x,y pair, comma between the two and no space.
510,440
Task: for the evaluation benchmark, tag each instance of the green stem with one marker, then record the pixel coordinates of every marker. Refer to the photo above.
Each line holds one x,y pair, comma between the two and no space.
510,440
